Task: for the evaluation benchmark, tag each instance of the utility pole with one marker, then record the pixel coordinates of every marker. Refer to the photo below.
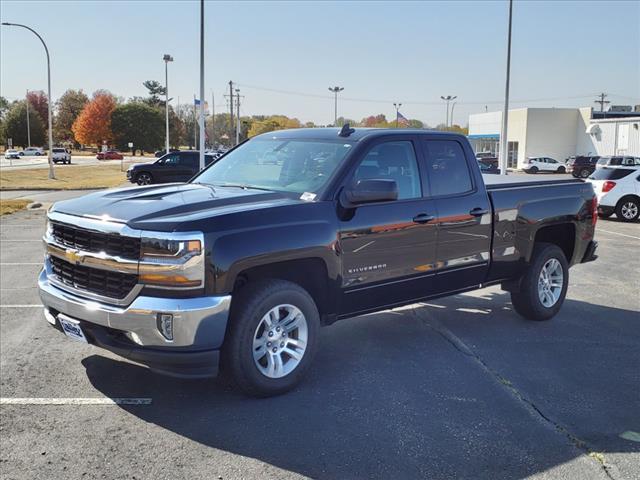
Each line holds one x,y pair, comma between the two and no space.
397,106
335,91
447,99
202,135
167,58
237,116
28,127
602,101
231,107
504,142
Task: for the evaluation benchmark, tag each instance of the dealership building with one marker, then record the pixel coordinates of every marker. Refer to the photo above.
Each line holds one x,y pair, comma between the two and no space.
557,132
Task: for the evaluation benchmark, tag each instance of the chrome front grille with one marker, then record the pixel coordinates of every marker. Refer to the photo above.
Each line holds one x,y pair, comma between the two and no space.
101,282
91,241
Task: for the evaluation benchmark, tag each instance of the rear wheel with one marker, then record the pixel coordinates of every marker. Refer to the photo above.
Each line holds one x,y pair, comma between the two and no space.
272,337
544,285
144,178
584,173
561,170
628,209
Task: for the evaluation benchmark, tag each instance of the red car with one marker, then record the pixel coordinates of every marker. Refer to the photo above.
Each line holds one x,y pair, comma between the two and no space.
109,155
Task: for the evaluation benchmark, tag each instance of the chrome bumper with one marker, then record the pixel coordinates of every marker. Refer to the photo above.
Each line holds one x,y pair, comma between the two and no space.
198,322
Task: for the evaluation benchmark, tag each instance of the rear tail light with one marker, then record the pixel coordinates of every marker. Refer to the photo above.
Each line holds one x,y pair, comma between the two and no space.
608,186
594,210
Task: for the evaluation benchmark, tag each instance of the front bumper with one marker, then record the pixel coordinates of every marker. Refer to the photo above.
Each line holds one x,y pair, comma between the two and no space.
133,332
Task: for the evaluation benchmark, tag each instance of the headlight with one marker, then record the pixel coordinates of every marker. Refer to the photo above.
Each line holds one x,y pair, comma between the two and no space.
172,262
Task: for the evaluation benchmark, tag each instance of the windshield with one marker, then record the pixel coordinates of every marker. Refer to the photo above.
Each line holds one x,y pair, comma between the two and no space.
290,165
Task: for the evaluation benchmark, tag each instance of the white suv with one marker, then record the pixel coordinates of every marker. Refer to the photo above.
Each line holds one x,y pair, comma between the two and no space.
615,161
543,164
60,155
37,151
618,191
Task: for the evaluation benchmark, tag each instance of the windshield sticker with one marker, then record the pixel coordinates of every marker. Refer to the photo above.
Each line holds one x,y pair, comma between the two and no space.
308,197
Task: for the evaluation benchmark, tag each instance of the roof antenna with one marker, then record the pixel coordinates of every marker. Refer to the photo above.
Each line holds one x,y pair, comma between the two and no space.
346,130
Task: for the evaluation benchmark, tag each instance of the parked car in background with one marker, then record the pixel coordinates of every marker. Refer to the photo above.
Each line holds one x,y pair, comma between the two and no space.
543,164
11,153
60,155
173,167
32,151
109,155
488,168
163,152
618,160
582,166
618,191
482,155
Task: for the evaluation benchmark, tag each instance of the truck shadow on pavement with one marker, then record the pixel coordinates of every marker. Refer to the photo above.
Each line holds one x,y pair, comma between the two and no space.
455,388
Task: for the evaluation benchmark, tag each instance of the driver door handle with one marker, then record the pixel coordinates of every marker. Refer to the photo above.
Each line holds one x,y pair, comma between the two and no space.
478,212
423,218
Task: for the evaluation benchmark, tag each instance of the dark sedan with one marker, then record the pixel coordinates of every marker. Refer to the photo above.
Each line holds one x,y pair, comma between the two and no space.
173,167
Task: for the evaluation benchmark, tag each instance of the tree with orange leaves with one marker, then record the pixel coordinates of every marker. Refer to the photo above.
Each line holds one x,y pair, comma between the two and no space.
93,125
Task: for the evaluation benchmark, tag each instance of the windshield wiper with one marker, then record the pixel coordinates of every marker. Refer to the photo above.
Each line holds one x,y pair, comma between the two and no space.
242,186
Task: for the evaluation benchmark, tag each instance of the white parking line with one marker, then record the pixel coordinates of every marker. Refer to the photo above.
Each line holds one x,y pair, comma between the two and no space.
37,263
74,401
616,233
20,240
21,306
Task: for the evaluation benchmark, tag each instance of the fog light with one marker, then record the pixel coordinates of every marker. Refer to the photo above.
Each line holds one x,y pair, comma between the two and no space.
165,325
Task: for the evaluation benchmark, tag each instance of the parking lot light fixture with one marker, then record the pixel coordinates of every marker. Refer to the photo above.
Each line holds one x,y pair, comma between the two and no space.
50,106
167,58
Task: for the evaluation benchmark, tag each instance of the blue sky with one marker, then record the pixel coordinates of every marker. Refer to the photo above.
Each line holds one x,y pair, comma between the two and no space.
380,52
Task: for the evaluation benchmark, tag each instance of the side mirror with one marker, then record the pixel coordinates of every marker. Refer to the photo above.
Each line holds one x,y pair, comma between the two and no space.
369,191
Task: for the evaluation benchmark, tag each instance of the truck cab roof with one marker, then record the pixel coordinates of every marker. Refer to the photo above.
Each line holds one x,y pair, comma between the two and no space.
358,133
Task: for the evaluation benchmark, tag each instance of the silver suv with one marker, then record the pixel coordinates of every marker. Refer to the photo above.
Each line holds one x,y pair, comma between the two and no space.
60,155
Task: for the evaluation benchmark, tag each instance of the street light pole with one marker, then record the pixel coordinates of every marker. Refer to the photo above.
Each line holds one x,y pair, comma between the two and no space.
504,144
397,106
28,126
335,91
447,99
51,172
167,58
201,84
453,105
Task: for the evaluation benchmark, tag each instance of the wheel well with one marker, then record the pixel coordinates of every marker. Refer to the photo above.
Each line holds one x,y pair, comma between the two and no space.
310,273
627,197
563,235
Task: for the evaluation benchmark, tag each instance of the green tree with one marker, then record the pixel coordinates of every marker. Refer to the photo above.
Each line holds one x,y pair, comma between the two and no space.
14,125
156,90
274,122
4,108
138,123
69,107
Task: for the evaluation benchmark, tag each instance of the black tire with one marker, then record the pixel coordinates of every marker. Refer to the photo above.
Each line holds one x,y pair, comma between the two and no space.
584,173
561,170
144,178
532,170
248,307
628,209
527,301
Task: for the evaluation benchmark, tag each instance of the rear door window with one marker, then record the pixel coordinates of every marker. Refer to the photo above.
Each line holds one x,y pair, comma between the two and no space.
611,173
447,169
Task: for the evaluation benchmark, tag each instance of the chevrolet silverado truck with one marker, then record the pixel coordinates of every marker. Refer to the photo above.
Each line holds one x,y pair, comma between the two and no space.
238,268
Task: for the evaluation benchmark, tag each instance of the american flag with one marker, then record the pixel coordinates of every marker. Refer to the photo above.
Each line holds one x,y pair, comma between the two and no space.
402,120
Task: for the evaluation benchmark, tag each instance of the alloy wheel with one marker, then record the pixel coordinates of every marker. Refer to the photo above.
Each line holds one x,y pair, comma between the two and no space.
280,341
629,210
550,282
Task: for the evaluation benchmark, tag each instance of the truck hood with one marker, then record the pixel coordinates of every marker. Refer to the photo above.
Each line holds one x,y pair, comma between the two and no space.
168,207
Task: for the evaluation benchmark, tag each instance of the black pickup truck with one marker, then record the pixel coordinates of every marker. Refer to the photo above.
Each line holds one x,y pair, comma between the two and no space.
296,229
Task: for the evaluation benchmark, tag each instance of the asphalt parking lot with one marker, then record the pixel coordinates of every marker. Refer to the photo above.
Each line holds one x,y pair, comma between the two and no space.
454,388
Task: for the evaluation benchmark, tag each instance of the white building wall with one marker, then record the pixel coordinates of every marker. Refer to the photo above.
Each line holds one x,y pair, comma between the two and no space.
605,141
551,132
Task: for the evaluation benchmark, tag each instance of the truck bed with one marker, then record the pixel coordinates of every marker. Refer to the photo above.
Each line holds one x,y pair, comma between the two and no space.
500,182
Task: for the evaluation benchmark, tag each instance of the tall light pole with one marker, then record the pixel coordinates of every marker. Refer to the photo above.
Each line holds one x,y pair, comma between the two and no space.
504,145
453,105
28,126
51,172
447,99
201,84
397,106
167,58
335,91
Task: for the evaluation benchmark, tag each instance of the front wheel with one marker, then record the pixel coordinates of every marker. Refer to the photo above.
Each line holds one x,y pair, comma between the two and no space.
561,170
532,170
144,178
544,285
628,209
584,173
272,337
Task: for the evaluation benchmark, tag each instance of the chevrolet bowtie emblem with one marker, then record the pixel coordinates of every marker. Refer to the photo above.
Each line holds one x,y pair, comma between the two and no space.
73,256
